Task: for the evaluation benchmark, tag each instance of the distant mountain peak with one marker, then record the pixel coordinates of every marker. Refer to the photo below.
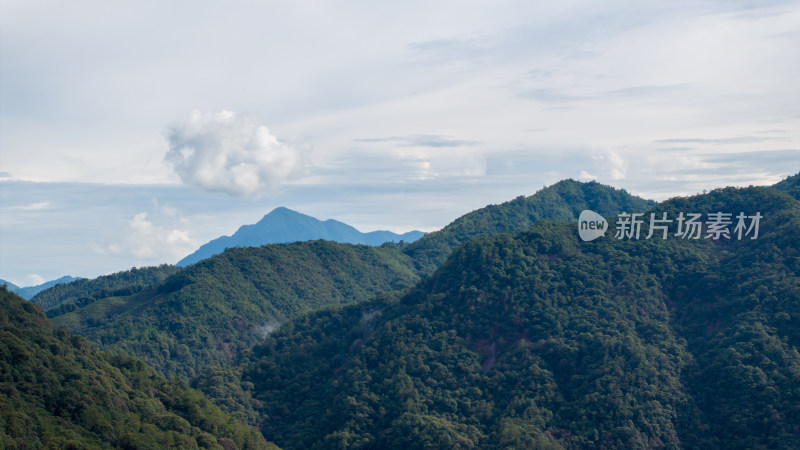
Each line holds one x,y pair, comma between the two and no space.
283,225
28,292
284,211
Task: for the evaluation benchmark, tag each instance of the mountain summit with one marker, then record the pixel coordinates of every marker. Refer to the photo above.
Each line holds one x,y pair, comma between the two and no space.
282,225
538,339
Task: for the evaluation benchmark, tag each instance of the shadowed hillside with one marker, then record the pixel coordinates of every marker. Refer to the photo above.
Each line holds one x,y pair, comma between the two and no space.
205,314
58,391
541,340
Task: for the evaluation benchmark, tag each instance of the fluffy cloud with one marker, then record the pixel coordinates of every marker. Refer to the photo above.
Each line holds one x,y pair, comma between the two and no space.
33,279
612,163
156,240
148,241
230,153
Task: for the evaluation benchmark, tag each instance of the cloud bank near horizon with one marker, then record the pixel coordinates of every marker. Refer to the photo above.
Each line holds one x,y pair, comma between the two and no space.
416,112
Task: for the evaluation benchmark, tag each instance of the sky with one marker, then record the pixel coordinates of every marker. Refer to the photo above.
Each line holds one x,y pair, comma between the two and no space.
133,132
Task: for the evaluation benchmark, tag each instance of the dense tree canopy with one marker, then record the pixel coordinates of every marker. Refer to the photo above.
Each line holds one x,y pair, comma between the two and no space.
538,339
205,314
562,201
791,185
518,334
64,298
58,390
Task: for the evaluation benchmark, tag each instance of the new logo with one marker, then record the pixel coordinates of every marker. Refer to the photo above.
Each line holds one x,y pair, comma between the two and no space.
591,225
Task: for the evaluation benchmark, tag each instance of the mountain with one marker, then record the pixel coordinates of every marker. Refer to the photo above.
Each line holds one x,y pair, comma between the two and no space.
30,291
283,225
791,185
562,201
67,297
540,340
9,285
207,313
518,335
59,391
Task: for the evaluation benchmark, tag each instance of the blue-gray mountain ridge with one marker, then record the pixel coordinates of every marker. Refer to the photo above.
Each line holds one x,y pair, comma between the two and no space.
282,225
30,291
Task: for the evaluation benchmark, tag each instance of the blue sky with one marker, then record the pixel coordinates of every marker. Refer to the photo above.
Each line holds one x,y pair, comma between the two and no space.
133,132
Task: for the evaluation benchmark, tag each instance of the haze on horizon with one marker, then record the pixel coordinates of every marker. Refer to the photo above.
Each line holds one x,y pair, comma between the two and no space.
133,132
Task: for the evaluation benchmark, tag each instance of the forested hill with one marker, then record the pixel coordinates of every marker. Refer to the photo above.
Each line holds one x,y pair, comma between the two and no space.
188,319
562,201
791,185
540,340
205,314
59,391
67,297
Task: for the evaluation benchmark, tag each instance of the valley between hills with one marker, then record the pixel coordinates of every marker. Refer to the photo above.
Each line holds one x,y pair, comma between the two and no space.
501,330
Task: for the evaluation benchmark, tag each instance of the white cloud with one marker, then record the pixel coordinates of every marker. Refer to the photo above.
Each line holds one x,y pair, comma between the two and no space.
162,239
165,209
612,163
33,279
230,153
32,207
427,119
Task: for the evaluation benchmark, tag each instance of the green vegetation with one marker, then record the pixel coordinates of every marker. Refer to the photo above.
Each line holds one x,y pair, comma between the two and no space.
206,314
539,340
562,201
791,185
182,322
59,391
64,298
520,336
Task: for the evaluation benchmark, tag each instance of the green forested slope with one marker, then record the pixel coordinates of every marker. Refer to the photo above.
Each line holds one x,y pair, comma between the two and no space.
791,185
63,298
540,340
562,201
524,340
205,314
58,391
740,320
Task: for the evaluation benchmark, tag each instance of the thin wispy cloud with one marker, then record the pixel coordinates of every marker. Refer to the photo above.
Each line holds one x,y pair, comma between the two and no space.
450,49
723,141
31,207
765,159
423,140
653,92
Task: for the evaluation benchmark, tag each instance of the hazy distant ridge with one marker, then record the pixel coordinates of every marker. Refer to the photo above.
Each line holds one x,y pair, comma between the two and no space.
30,291
283,225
